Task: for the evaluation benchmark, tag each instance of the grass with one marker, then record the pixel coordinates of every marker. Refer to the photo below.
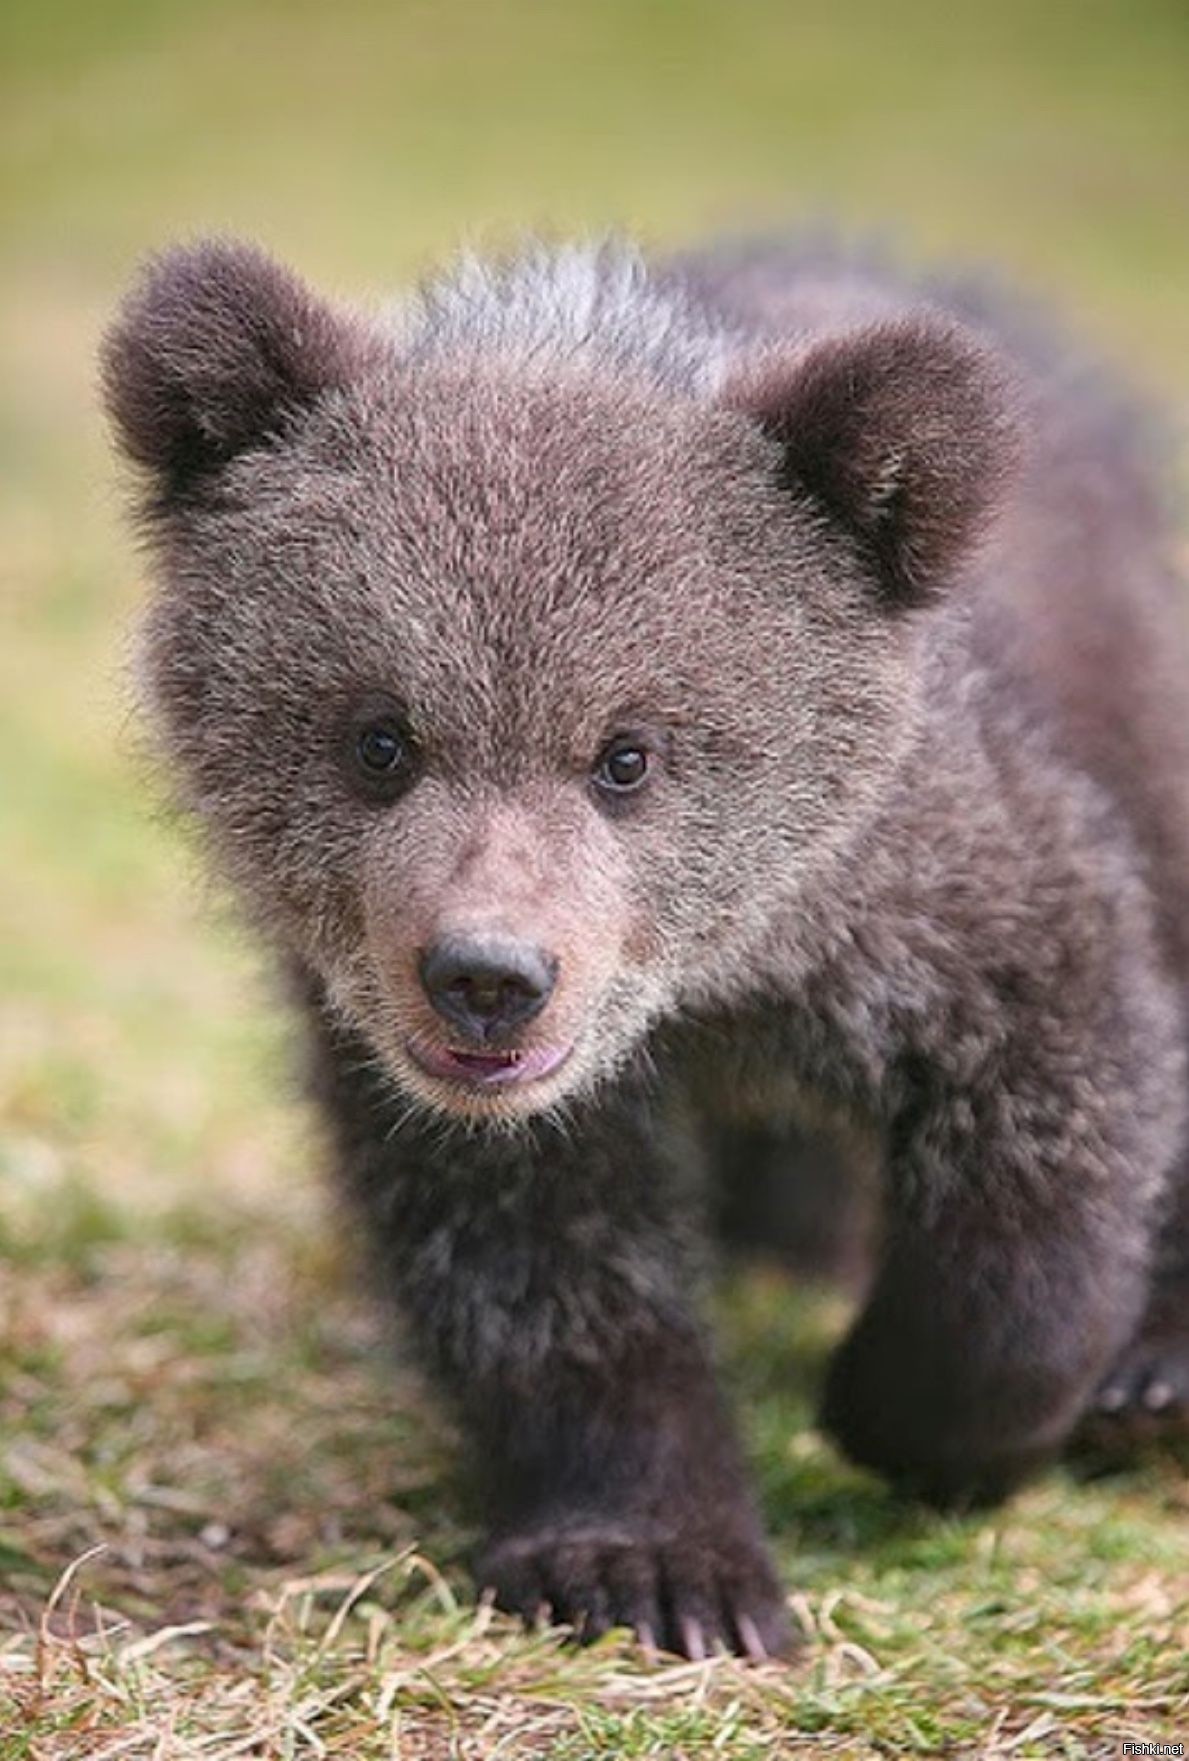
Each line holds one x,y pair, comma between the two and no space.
228,1526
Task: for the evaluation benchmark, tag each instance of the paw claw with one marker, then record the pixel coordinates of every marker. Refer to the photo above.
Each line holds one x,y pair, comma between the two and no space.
692,1640
693,1597
1158,1394
1145,1397
749,1638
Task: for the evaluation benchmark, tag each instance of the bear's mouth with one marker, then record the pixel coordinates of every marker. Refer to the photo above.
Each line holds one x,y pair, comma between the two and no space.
488,1069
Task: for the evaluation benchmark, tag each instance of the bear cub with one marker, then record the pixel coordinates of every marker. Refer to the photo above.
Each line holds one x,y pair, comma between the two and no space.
647,705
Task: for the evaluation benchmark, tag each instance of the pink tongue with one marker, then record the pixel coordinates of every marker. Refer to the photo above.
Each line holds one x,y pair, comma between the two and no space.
488,1067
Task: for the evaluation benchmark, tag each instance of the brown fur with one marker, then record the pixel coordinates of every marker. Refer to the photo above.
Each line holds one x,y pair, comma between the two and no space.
911,851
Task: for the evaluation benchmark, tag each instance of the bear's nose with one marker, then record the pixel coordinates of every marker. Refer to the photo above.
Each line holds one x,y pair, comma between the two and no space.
486,984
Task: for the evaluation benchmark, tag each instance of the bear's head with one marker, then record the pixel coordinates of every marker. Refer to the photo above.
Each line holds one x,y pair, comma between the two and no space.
524,692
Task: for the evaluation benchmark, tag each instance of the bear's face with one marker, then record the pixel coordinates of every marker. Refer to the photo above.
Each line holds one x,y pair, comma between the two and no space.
519,701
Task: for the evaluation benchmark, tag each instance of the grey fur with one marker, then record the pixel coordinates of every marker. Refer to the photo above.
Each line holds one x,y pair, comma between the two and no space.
593,302
879,581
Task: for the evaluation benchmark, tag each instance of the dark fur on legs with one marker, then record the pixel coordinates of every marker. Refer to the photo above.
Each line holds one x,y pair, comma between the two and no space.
550,1284
801,1199
1145,1395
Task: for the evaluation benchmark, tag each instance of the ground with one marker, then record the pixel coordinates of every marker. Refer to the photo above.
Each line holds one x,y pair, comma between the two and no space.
230,1525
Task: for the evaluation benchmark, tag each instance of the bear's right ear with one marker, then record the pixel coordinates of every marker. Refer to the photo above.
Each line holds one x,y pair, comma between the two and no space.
214,348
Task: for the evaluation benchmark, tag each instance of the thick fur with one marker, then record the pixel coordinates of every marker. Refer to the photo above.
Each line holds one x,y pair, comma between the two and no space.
880,583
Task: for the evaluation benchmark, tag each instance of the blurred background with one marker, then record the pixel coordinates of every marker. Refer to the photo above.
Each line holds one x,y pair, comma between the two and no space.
362,141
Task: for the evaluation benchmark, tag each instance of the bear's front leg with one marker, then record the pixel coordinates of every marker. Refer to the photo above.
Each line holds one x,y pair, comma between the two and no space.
1020,1217
546,1275
621,1502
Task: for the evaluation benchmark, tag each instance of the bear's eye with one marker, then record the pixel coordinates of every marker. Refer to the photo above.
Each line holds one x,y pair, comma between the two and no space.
381,749
623,765
380,753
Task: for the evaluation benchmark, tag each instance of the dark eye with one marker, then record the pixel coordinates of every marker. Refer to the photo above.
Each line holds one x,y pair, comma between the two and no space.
381,749
623,765
379,752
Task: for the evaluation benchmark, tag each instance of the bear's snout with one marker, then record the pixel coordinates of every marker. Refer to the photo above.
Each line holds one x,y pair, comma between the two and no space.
485,985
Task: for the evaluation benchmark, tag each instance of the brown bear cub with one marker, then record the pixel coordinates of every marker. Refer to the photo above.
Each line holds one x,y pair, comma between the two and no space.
648,705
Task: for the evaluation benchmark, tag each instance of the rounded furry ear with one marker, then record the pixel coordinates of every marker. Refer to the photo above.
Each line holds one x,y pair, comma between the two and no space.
213,349
904,433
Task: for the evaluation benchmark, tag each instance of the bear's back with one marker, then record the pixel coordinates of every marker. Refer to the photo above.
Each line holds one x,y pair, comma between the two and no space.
1077,605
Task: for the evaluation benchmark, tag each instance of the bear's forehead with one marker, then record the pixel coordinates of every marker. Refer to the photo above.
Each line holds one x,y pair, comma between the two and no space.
524,646
515,561
554,524
565,475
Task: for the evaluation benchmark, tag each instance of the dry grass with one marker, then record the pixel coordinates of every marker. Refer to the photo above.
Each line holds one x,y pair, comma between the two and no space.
231,1529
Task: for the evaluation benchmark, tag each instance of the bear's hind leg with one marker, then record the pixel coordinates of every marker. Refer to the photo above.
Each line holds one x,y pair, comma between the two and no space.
805,1200
1145,1395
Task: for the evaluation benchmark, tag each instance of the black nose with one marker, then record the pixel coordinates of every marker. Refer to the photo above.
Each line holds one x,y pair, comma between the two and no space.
486,984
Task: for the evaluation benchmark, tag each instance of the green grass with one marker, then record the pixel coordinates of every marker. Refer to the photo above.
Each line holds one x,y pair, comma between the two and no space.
188,1378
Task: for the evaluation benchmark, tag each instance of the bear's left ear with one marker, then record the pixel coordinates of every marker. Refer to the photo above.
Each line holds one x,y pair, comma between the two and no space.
904,434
